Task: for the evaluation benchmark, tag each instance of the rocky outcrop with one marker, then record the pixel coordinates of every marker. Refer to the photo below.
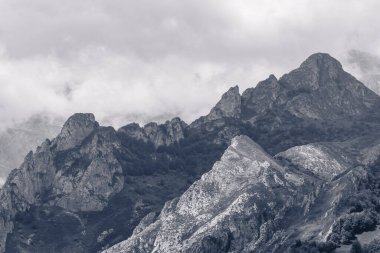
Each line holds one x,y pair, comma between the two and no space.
166,134
98,176
67,174
77,171
75,130
229,105
259,100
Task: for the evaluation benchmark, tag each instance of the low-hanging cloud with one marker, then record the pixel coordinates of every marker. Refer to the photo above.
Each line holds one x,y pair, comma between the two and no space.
152,60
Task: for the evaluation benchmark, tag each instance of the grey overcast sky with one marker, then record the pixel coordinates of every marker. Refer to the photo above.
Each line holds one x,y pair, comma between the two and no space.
152,60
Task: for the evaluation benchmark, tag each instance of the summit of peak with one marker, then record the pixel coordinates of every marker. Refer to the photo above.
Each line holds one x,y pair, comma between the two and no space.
233,89
272,77
321,60
75,130
317,70
228,106
81,118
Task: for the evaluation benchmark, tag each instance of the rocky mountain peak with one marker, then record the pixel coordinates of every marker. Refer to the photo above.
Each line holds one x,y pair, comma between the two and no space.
261,98
322,90
229,105
75,130
272,78
318,70
322,61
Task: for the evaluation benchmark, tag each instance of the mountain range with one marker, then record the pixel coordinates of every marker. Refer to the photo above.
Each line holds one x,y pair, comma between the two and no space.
291,165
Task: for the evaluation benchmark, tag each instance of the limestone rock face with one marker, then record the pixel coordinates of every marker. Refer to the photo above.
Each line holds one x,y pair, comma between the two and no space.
258,100
65,172
228,107
75,130
160,135
164,135
321,89
89,185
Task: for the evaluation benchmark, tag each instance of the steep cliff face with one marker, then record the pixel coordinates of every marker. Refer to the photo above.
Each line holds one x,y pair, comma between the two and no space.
229,105
223,117
160,135
259,100
65,171
77,171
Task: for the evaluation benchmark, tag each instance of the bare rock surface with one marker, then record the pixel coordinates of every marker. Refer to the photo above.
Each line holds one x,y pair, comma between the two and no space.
65,172
166,134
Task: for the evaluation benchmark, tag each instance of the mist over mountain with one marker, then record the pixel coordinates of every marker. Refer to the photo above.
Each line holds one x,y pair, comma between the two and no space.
147,61
368,67
18,140
290,165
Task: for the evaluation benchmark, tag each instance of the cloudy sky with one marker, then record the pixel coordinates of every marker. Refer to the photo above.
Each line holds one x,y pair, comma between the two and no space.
152,60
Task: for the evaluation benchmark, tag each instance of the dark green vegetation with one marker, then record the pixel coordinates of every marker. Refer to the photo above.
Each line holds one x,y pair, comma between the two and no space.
359,212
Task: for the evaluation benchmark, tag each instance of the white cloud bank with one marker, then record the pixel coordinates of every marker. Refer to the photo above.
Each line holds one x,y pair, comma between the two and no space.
152,60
